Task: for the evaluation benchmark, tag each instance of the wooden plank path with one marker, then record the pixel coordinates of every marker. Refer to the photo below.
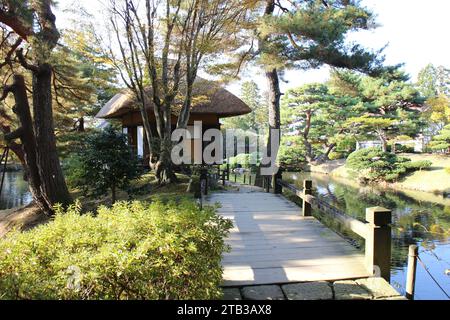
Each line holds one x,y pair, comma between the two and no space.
271,243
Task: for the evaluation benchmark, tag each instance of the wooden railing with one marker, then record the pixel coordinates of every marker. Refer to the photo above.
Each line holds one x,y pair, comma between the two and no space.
376,230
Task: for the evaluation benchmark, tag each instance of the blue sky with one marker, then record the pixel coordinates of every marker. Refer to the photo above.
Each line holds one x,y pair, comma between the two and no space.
416,32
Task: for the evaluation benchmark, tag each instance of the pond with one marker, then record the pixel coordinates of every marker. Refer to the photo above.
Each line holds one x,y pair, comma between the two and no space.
15,191
418,218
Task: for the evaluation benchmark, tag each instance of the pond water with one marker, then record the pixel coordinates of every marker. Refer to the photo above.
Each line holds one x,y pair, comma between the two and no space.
418,218
15,191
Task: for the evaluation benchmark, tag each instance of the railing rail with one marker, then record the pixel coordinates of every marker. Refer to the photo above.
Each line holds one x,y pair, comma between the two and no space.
376,231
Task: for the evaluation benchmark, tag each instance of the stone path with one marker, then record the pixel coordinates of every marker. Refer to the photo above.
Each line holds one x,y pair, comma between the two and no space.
360,289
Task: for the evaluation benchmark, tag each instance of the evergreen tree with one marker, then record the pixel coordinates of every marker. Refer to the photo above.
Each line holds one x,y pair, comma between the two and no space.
442,140
257,119
308,34
433,81
30,36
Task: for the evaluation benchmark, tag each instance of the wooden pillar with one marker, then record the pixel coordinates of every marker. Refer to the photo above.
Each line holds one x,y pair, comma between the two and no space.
307,190
250,178
267,182
204,176
244,177
228,171
235,177
378,242
277,188
411,274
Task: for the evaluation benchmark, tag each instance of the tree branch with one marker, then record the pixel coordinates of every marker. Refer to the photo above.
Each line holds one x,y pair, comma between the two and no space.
23,61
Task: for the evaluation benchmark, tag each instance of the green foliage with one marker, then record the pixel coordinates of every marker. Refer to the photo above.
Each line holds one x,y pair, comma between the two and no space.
291,154
318,115
243,160
336,155
313,34
106,162
417,165
130,251
447,170
442,140
372,165
433,81
257,119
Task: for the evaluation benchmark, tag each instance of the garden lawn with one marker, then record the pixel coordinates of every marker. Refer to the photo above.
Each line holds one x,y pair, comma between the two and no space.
434,179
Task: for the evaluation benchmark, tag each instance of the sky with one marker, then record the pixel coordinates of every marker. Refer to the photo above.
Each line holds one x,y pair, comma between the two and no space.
415,31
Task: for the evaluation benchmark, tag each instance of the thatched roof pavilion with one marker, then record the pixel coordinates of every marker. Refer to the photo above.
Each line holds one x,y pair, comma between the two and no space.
210,103
208,98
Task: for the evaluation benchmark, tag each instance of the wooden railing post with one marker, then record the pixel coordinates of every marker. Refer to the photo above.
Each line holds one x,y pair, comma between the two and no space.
307,190
244,177
228,171
267,183
223,178
250,178
204,176
378,242
411,274
277,188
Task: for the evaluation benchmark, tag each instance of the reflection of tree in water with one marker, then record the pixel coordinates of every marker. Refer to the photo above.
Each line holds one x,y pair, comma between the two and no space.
414,221
15,191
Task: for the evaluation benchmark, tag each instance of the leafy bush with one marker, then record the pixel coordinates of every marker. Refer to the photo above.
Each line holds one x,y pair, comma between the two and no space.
372,164
417,165
130,251
291,154
243,160
335,155
441,142
106,162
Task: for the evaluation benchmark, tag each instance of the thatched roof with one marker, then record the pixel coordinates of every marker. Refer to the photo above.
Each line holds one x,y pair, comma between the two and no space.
208,98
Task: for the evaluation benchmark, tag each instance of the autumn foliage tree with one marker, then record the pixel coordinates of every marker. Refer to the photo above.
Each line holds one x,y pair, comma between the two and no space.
162,45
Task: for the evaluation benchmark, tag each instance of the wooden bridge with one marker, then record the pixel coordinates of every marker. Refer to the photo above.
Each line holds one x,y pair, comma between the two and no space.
274,241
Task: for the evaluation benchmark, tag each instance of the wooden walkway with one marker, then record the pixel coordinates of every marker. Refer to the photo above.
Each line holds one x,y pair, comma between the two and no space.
271,243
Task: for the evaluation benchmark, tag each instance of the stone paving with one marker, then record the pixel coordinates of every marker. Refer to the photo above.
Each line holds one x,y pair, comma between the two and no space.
359,289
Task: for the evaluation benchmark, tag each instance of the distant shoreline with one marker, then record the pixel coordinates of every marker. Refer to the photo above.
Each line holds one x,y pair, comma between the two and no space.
434,180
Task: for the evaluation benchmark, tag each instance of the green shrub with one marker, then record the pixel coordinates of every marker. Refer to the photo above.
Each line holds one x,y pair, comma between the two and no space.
106,163
243,160
73,171
335,155
417,165
130,251
291,154
372,164
447,170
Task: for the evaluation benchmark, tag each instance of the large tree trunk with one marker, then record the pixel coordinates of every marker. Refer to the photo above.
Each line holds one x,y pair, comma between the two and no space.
274,93
164,169
26,135
308,147
383,140
50,172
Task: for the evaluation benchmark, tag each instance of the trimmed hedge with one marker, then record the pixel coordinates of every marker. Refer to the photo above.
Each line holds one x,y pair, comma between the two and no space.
133,250
372,164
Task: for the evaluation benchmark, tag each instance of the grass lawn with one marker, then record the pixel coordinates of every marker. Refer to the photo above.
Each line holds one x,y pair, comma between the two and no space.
434,179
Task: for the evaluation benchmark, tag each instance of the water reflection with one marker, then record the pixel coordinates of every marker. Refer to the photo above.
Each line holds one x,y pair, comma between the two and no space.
418,218
15,191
